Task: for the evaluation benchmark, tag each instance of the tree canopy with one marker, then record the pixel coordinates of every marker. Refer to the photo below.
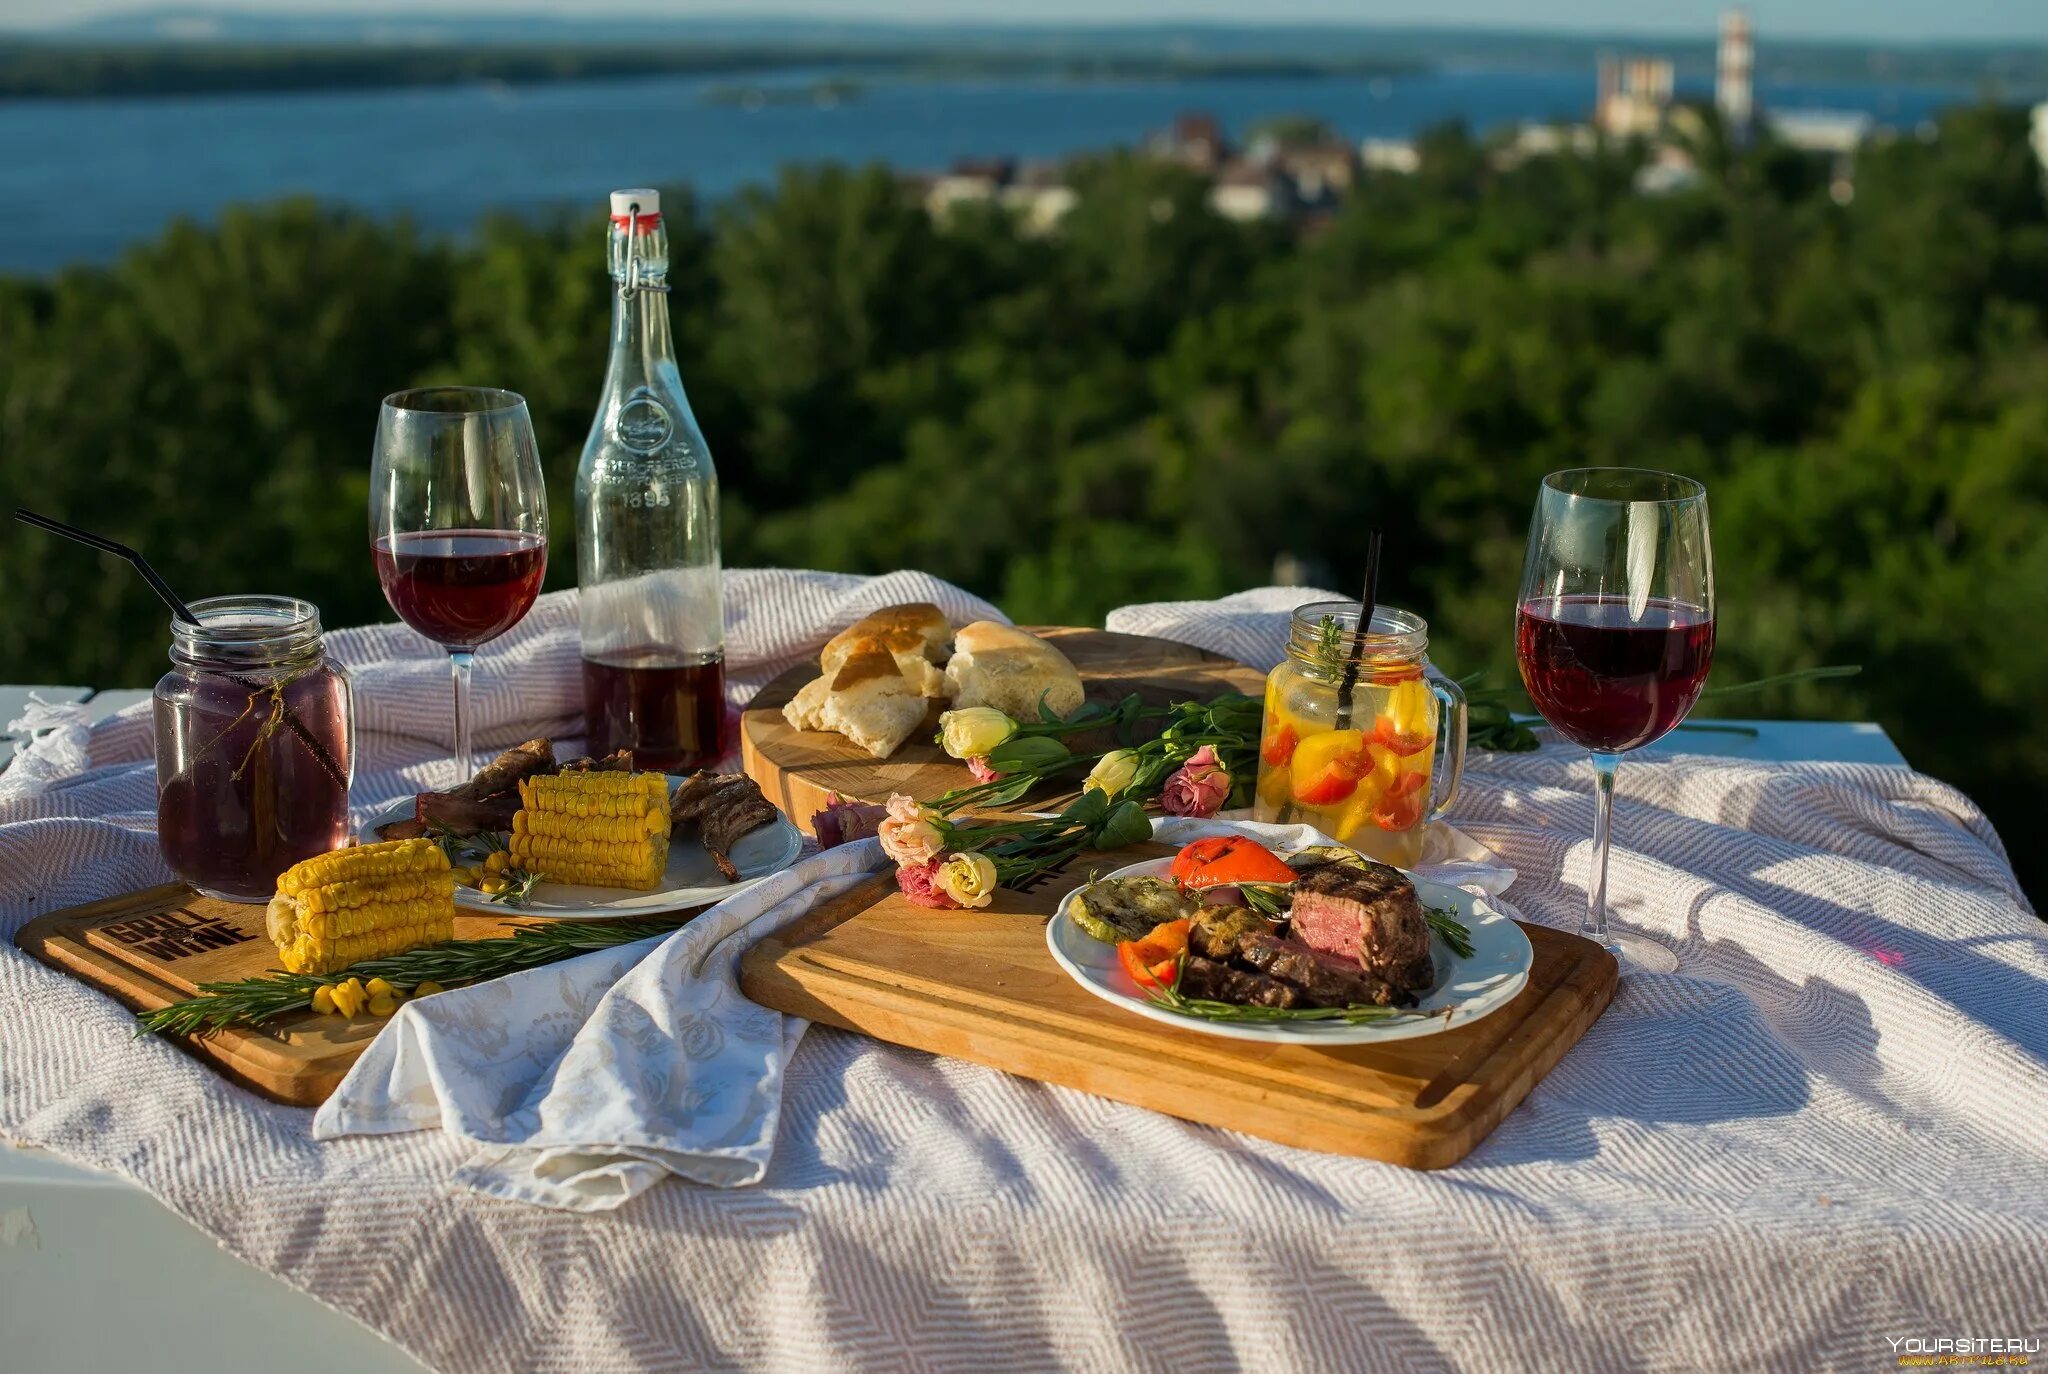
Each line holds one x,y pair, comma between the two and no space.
1152,402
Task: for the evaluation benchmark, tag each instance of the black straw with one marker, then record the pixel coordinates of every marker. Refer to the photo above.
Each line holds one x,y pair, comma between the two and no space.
183,612
1367,604
106,545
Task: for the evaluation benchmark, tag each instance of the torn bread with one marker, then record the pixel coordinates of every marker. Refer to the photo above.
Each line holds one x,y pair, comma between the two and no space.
916,635
875,676
871,703
1004,667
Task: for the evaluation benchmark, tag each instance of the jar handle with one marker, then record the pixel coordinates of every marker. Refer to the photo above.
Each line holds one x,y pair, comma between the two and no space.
1449,767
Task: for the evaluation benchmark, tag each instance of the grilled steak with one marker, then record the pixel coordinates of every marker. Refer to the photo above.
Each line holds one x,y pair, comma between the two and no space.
1207,979
502,774
465,815
723,807
485,802
1368,914
1325,980
618,761
1216,932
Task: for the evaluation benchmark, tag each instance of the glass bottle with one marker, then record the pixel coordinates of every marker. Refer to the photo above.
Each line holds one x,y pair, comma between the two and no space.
1374,771
647,529
253,745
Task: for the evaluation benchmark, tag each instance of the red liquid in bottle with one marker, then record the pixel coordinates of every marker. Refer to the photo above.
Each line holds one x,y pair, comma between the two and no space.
670,715
1607,681
461,588
241,794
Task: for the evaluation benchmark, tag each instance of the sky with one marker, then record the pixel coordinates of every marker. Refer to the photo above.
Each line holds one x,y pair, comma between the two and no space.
1884,20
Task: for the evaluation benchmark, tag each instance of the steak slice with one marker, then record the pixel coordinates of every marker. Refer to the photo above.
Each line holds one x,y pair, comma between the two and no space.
724,807
1214,982
734,813
618,761
1325,980
1367,913
1216,931
465,815
502,774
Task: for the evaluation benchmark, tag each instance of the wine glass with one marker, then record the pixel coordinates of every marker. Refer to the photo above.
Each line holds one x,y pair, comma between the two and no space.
458,522
1614,633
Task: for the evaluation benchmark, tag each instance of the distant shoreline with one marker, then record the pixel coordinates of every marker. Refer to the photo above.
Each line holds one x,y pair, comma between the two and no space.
49,71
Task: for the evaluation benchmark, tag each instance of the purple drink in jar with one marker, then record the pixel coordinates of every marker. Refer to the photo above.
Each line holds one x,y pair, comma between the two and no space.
253,745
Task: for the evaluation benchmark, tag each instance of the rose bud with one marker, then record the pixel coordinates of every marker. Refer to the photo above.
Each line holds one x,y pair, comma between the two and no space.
973,731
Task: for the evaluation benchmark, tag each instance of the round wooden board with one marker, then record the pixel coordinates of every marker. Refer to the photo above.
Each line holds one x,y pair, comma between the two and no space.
801,770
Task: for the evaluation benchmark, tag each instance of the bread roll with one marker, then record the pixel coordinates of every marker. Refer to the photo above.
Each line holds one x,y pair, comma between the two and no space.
914,634
875,676
1004,667
871,703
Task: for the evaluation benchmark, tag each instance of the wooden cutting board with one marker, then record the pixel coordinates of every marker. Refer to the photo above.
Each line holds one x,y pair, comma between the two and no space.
150,949
801,770
981,985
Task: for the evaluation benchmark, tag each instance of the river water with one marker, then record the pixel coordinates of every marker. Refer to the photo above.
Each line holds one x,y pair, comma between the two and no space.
82,179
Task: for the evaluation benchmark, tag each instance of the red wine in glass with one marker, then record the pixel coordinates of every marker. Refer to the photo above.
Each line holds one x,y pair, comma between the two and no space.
458,522
1609,677
1614,633
461,588
671,716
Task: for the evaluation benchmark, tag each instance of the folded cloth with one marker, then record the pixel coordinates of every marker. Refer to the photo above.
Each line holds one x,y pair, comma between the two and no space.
588,1081
584,1083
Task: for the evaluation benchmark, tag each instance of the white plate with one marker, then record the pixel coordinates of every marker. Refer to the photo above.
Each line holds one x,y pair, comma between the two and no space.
691,878
1470,988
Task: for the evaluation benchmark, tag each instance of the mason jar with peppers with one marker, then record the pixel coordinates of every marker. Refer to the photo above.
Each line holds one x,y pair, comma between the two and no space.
1361,739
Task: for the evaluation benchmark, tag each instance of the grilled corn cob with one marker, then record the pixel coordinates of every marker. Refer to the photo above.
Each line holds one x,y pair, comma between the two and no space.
600,829
364,903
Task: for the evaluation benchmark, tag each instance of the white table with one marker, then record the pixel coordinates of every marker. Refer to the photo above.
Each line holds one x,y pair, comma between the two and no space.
77,1244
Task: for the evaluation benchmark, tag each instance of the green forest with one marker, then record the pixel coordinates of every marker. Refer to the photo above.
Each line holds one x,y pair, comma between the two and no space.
1151,403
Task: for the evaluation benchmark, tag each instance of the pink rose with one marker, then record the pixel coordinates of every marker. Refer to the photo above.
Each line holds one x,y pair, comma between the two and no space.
920,884
845,821
908,835
978,765
1198,788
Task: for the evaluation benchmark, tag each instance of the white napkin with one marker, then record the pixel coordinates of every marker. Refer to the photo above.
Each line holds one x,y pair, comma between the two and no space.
586,1082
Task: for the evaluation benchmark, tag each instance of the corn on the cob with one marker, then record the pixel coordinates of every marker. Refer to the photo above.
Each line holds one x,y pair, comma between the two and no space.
600,829
364,903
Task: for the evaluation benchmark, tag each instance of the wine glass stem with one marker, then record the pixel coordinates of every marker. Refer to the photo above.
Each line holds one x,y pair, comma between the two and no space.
1595,925
460,662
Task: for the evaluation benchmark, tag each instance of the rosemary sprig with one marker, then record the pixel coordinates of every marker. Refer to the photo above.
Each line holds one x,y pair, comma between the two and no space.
1452,931
518,888
1171,998
252,1001
1330,644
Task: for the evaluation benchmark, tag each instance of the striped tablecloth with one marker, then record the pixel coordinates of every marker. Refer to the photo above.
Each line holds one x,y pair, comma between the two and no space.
1820,1136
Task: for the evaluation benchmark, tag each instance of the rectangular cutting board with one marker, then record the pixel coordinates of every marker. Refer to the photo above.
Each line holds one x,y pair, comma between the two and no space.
981,986
149,949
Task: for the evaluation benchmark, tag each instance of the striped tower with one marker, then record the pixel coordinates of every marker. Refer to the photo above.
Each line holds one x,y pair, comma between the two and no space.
1733,92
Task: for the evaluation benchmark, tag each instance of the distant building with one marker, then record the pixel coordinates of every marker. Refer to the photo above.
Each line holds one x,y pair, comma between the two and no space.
1039,196
1734,91
1532,139
1247,191
1672,170
1194,140
1634,96
1389,155
1840,132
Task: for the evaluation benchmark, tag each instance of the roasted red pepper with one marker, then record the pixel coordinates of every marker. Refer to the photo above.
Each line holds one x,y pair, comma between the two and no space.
1228,859
1154,962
